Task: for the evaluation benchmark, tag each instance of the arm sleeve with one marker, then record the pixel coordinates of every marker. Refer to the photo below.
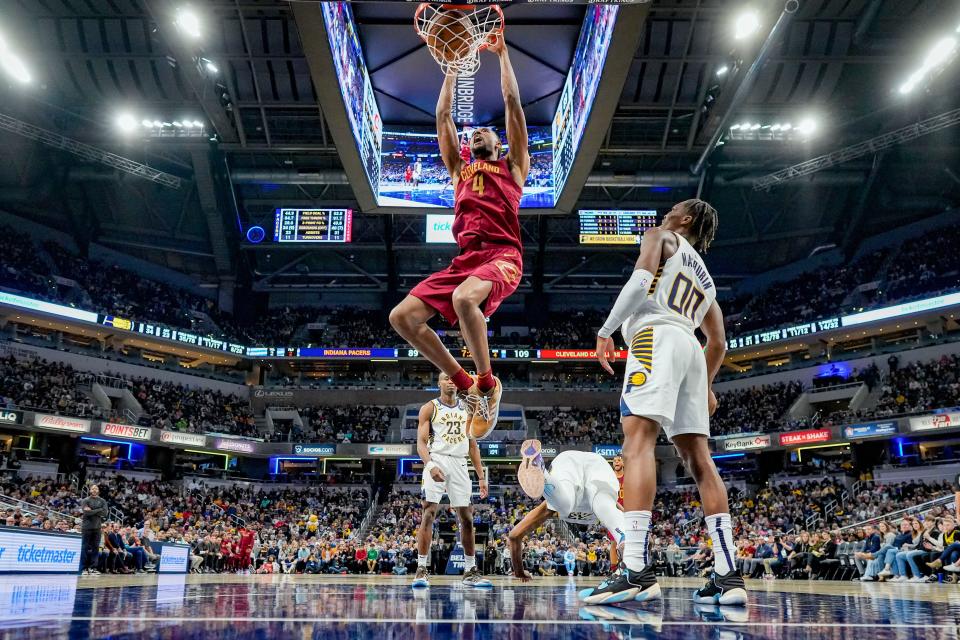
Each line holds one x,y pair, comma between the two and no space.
631,297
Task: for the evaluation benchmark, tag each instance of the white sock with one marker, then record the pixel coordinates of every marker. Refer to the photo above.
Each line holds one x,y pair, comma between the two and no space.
721,534
637,533
469,562
423,561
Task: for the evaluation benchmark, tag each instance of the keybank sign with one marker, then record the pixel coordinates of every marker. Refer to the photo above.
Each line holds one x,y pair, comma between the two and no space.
29,552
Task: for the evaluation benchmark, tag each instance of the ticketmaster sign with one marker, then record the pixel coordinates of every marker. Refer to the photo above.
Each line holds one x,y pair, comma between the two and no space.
25,551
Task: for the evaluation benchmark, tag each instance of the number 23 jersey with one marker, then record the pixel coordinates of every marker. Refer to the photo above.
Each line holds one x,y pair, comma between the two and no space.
448,429
681,293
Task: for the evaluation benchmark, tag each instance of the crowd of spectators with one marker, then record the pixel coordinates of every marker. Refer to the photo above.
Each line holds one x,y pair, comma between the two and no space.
799,529
754,409
45,386
570,425
347,423
179,408
923,266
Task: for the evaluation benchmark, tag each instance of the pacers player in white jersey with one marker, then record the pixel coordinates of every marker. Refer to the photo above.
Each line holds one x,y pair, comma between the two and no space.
444,442
579,488
668,385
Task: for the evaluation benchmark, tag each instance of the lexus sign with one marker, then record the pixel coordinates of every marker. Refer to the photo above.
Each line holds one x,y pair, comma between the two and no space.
745,443
62,423
125,431
804,437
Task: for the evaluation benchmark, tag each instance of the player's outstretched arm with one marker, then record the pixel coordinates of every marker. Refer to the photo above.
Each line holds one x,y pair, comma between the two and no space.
530,523
632,295
447,130
519,156
714,350
423,441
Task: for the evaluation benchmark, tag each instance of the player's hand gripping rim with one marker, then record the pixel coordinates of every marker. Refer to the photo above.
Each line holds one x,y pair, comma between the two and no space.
606,353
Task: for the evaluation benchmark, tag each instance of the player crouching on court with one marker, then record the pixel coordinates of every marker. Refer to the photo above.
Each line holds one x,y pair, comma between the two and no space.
443,442
579,488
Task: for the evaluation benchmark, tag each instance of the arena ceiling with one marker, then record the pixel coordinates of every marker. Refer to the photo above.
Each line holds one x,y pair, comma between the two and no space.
841,60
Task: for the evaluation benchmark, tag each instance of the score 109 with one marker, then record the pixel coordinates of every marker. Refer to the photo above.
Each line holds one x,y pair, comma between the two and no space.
496,354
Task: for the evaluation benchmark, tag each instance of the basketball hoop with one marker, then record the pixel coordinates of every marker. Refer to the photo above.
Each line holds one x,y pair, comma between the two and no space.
456,33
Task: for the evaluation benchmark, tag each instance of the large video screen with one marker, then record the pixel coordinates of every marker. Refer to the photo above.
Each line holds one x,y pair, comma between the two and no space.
413,174
580,89
355,86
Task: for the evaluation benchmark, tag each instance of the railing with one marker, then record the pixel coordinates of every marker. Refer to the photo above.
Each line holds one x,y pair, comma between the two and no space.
895,516
9,502
367,519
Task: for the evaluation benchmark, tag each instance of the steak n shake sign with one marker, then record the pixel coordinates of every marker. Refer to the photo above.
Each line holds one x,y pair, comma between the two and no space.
804,437
62,423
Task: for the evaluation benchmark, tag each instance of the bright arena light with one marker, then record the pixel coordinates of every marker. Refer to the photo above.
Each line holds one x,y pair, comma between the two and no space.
734,127
12,63
807,126
212,68
146,124
15,67
722,70
746,24
188,22
126,122
745,125
786,127
157,124
940,53
198,124
755,126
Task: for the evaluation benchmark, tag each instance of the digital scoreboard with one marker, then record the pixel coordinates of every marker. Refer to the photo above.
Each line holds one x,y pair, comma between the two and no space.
615,227
313,225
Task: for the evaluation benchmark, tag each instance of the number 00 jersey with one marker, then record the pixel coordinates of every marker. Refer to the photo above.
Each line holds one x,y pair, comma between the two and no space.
448,429
680,294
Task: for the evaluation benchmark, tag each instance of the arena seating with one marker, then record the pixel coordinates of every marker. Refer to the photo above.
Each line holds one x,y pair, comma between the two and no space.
315,529
30,268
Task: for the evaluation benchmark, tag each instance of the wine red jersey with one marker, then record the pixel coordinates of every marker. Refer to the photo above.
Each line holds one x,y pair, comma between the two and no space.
487,205
620,494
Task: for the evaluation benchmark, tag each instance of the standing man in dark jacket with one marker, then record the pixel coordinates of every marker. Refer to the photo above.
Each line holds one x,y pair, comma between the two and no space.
94,511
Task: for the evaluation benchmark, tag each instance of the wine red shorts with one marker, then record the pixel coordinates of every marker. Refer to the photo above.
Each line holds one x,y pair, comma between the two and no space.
501,265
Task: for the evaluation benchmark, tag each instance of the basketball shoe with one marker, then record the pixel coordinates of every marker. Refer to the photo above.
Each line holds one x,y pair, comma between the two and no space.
722,590
474,578
484,408
530,474
421,580
626,585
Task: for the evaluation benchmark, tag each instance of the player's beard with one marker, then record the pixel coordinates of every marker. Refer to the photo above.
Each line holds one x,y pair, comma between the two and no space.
482,153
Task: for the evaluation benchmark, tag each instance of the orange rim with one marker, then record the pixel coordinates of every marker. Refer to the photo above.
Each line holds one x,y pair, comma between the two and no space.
460,7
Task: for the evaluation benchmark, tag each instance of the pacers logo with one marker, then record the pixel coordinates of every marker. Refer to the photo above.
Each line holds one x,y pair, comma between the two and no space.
641,348
510,272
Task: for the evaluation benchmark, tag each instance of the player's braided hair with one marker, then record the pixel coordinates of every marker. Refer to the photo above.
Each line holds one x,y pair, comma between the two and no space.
704,225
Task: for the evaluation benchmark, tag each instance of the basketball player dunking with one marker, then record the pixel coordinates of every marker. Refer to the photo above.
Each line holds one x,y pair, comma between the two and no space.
444,443
487,230
668,385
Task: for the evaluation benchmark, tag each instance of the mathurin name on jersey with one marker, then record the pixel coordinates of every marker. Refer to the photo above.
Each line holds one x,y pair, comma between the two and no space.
698,269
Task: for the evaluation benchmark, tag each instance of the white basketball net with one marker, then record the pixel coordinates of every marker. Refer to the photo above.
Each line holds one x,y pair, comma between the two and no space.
469,29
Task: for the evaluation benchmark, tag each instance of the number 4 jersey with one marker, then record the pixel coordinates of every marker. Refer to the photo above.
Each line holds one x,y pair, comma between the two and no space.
487,205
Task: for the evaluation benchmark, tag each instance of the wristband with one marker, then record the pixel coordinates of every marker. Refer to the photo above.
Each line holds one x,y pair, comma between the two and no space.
429,466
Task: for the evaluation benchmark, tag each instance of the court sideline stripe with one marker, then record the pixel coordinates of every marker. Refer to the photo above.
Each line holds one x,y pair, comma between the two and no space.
665,623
